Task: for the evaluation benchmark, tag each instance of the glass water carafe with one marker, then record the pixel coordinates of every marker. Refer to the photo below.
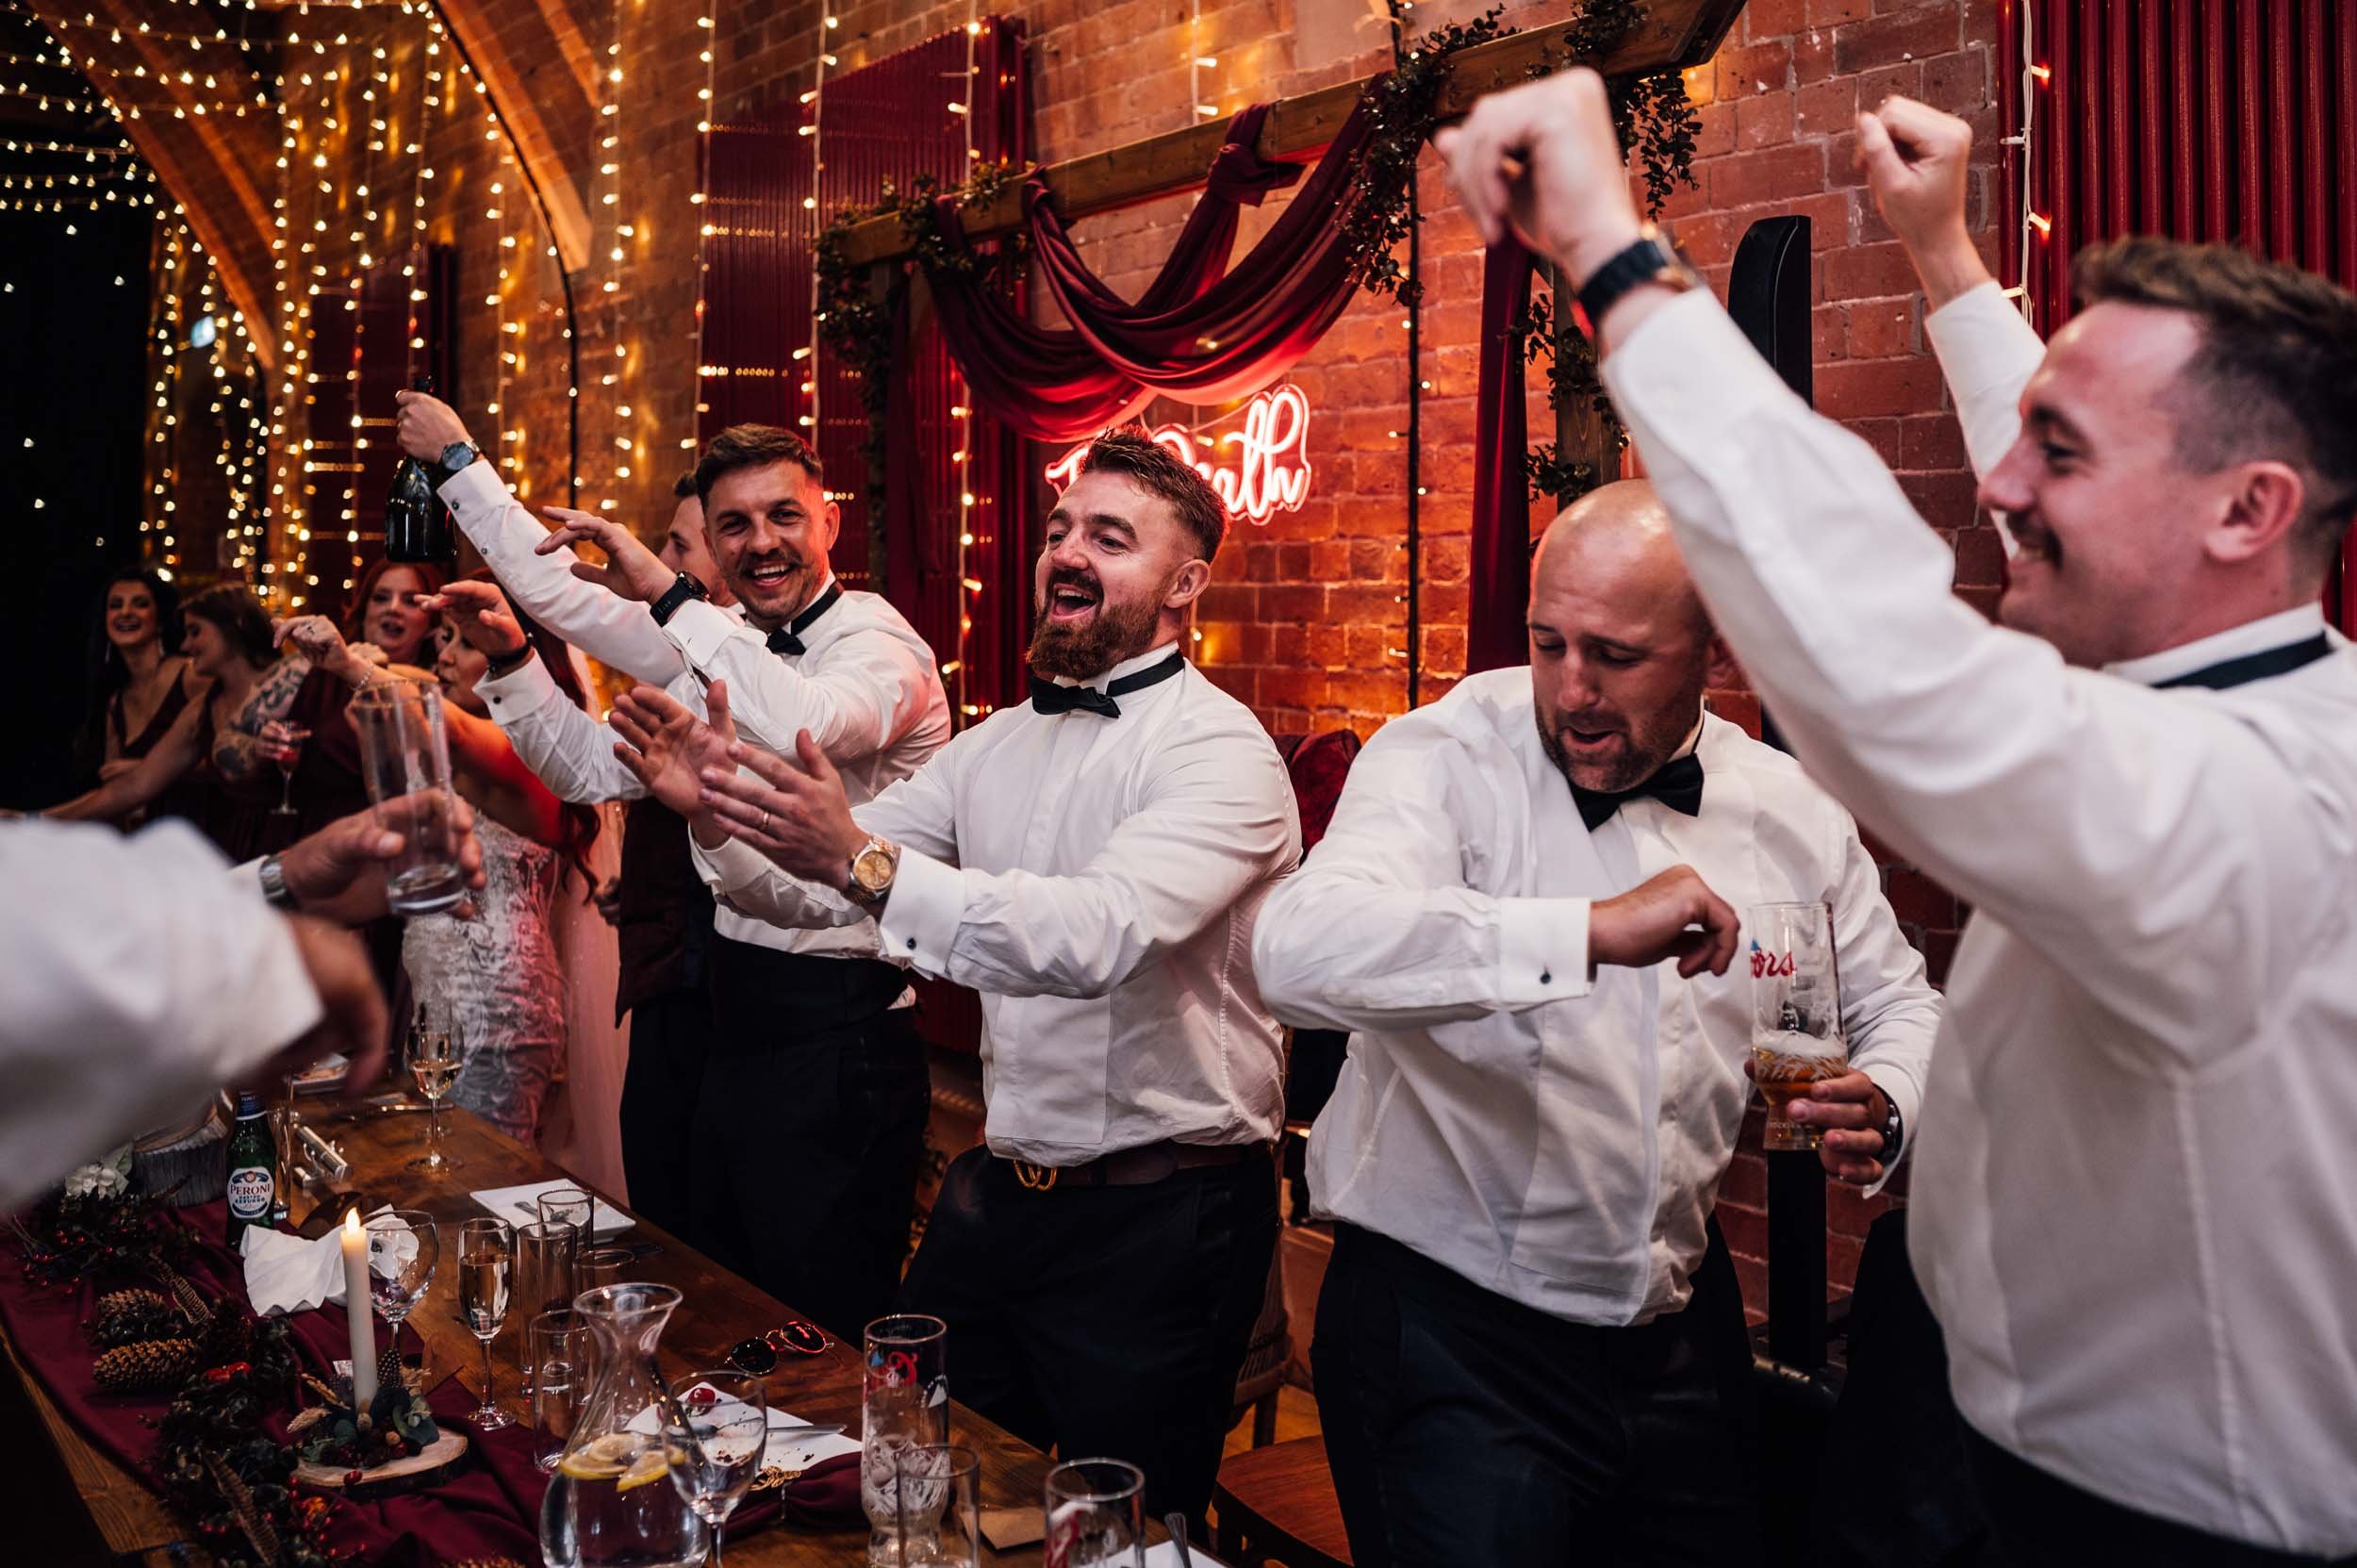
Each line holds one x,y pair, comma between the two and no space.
611,1503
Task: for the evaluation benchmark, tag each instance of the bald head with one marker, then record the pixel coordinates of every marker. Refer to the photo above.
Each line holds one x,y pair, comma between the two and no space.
1615,542
1621,648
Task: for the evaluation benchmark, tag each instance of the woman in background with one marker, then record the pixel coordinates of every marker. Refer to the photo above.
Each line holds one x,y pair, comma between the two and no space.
226,639
494,976
140,682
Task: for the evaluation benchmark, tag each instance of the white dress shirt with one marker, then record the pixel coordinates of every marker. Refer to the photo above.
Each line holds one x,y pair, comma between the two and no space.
137,976
1097,881
2135,1194
865,685
1557,1140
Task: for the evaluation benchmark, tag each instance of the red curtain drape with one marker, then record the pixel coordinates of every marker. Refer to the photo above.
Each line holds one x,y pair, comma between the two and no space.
2213,120
1497,616
1201,332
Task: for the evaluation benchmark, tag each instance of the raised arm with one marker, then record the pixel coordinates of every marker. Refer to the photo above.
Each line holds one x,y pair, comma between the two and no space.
238,749
609,628
1918,161
2153,845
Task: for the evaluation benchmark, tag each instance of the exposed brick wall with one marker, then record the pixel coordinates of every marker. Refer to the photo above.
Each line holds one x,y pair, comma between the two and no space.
1305,620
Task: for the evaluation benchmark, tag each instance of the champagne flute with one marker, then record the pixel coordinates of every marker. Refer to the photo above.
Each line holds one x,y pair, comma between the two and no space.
486,1260
434,1062
287,752
713,1434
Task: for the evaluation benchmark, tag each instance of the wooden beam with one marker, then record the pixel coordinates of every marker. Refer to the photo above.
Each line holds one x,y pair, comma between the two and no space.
1673,32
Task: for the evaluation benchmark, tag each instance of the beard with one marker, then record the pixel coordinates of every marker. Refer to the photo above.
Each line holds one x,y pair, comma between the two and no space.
1084,649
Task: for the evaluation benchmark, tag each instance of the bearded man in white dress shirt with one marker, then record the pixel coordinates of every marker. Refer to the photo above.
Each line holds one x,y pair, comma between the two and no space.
1527,1350
1092,862
2135,1205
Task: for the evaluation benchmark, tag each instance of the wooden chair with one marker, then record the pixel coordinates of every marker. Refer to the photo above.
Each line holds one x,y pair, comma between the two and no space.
1277,1504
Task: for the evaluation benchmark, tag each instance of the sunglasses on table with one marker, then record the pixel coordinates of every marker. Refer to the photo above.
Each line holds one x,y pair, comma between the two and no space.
758,1357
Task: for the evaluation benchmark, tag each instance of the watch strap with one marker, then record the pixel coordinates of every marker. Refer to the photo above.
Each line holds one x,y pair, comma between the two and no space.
507,664
443,471
1640,261
274,889
682,589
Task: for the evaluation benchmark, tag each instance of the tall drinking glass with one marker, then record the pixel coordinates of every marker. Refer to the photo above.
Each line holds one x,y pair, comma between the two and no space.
557,1373
573,1206
940,1498
713,1438
487,1263
434,1062
548,1254
905,1403
1096,1515
405,755
1797,1038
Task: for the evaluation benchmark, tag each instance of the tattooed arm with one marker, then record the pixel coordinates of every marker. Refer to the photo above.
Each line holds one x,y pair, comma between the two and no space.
239,750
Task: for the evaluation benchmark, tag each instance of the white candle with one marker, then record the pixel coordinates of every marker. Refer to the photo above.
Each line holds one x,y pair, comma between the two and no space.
357,1313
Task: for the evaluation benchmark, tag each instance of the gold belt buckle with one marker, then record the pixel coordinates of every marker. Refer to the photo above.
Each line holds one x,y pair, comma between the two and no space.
1037,1178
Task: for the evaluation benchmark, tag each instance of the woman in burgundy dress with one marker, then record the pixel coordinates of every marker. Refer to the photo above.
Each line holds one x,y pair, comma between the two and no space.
226,640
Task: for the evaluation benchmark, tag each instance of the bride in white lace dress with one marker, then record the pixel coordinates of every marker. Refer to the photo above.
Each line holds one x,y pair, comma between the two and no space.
489,972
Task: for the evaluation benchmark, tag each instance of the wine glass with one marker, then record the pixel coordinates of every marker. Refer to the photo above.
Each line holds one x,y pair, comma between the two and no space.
403,1247
486,1262
435,1061
1095,1514
286,742
714,1430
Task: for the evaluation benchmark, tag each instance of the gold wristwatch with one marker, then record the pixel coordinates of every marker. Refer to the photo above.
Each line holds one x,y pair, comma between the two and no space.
872,870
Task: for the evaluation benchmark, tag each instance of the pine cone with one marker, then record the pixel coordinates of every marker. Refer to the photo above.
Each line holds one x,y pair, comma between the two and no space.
148,1365
129,1316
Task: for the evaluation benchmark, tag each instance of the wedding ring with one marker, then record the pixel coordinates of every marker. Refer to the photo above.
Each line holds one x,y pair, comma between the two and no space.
765,821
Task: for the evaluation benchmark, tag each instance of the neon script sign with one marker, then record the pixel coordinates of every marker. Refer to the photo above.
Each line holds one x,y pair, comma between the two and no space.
1258,471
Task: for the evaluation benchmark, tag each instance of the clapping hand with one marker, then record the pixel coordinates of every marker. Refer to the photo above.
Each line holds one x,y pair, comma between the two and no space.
480,612
632,570
669,748
796,812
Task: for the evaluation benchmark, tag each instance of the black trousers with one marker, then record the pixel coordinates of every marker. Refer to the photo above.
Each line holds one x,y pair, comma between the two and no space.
1105,1321
668,1036
809,1129
1465,1428
2042,1520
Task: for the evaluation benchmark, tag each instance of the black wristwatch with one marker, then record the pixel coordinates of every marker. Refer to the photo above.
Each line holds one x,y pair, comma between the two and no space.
274,889
454,456
507,664
679,593
1648,259
1894,1132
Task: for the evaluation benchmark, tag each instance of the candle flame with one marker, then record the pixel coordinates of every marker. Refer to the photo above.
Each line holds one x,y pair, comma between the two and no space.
352,1222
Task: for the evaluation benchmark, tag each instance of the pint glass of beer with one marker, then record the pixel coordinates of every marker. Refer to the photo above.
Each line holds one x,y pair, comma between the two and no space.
1796,1013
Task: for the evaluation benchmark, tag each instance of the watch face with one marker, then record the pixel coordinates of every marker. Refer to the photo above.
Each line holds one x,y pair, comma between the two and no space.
456,456
873,867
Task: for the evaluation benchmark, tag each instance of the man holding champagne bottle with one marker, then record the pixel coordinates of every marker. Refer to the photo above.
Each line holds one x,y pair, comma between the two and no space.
1524,1144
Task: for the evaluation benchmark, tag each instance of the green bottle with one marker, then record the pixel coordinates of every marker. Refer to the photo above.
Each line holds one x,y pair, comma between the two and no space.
253,1169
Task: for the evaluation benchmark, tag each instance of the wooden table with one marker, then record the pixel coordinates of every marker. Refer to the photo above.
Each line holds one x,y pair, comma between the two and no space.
718,1310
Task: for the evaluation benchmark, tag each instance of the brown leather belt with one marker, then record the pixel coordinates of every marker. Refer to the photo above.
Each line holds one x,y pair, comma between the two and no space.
1133,1167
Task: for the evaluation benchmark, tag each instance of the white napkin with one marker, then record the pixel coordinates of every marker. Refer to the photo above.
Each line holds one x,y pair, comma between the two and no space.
1166,1555
785,1451
287,1274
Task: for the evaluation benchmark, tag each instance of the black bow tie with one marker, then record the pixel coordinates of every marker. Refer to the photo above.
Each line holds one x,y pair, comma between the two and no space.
2254,667
1047,697
788,638
1678,784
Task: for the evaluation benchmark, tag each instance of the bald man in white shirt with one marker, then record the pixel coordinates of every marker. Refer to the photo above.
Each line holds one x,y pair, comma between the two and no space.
1527,1350
2135,1205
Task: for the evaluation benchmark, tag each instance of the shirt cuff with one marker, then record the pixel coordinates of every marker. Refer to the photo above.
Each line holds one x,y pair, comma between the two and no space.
697,628
1980,340
1542,951
474,494
921,918
519,693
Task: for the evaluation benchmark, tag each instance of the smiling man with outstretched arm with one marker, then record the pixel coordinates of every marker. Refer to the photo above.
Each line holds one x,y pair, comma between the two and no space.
2134,1202
791,1009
